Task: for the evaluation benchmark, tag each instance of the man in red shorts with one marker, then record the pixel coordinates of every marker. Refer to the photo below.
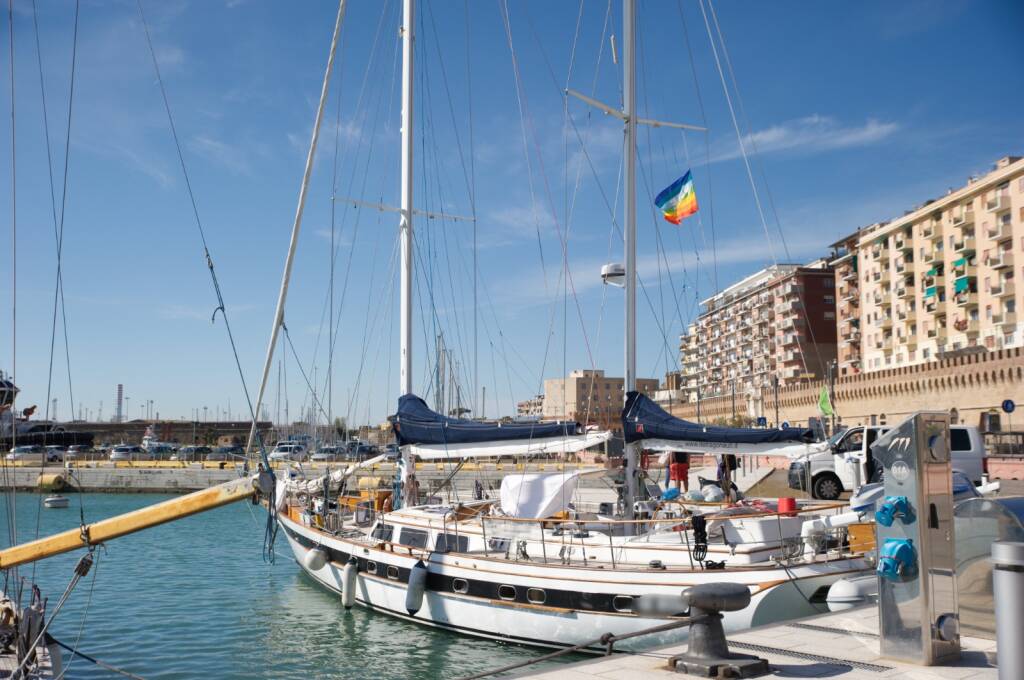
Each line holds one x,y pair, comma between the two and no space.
679,469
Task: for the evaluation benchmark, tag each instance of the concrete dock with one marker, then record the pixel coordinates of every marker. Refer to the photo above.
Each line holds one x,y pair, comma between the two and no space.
175,477
836,645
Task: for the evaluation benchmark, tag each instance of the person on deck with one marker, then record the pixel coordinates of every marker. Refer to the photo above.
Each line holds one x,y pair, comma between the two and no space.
679,469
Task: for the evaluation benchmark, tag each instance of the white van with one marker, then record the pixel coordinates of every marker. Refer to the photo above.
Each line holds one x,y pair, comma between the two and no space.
847,462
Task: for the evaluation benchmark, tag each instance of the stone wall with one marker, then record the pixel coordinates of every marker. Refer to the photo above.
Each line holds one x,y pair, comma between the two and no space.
971,385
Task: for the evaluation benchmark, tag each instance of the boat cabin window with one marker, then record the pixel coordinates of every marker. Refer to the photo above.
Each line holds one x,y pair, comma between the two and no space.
507,592
393,572
536,596
371,567
449,542
415,538
460,585
383,531
622,603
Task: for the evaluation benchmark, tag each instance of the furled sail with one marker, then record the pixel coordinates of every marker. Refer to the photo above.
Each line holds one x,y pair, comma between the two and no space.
432,436
653,428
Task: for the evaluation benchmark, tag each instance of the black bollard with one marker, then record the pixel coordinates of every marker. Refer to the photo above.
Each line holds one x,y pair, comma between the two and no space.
707,653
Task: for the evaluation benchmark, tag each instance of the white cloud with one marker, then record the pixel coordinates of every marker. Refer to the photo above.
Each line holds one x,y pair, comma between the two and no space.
219,152
808,135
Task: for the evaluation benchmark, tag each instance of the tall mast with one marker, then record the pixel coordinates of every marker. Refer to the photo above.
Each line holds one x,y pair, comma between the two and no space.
408,9
629,114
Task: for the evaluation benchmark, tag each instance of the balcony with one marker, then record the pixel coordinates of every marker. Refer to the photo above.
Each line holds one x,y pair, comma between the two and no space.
933,256
1005,318
849,274
965,245
1001,231
885,322
880,251
1007,289
937,334
880,276
903,242
906,290
963,217
998,203
1001,260
910,342
967,298
928,230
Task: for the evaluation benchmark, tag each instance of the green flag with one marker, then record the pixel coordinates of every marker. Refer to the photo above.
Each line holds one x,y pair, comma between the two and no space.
824,404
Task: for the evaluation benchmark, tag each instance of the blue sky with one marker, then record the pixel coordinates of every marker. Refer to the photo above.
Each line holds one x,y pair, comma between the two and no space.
857,111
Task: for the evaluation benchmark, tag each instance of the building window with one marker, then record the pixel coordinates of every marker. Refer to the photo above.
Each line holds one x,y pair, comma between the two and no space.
830,299
830,315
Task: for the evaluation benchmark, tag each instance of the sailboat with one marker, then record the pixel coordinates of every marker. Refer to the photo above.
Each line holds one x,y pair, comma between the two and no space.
533,566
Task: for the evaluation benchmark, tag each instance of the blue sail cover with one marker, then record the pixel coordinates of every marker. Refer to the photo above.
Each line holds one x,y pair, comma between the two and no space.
643,419
416,423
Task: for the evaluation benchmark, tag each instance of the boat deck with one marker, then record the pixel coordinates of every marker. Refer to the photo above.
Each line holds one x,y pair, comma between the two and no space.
44,669
800,649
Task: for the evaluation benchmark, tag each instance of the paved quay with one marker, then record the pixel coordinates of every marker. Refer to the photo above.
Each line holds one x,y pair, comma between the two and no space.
837,645
175,477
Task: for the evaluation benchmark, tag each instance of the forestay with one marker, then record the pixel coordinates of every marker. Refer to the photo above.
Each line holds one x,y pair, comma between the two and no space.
652,428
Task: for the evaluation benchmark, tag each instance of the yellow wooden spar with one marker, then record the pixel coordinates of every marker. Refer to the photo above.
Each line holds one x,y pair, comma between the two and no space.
130,522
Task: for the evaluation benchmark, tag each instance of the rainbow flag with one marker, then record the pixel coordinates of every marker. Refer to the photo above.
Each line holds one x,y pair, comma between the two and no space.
678,200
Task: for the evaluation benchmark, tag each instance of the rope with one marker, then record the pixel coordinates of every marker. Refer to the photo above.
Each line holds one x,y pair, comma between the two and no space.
94,660
85,614
81,569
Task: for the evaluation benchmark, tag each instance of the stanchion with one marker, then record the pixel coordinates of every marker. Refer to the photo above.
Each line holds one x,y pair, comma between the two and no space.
1008,593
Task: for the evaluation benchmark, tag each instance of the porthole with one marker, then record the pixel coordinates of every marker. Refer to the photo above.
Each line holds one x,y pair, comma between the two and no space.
460,585
536,596
507,592
393,573
371,567
622,603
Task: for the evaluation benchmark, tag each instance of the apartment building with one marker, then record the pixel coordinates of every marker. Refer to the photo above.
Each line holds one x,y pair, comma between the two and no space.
530,409
938,281
590,397
778,322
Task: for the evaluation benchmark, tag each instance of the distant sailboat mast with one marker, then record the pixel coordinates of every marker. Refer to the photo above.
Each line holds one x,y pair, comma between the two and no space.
629,179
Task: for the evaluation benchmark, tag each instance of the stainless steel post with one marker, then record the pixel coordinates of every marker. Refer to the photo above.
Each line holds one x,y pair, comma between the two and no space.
1008,593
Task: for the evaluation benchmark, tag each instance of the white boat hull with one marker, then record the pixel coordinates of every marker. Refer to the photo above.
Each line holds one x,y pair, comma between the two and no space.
774,595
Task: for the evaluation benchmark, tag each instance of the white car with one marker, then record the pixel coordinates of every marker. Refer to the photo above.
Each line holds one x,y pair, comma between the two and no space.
129,452
26,453
289,451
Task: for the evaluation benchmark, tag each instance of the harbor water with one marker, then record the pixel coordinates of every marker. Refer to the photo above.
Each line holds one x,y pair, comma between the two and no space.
195,599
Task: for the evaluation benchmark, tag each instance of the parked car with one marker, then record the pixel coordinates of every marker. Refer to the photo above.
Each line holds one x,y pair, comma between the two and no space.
326,454
846,461
224,453
76,451
289,451
27,452
127,452
192,453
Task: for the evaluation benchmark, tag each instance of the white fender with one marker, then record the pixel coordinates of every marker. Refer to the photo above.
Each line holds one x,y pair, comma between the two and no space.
348,583
315,559
417,584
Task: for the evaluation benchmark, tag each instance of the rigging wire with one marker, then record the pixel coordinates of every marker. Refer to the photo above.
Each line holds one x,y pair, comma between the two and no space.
202,234
9,498
58,230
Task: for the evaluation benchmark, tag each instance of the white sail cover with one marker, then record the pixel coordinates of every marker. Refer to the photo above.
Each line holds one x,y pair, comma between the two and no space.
509,447
537,494
716,448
